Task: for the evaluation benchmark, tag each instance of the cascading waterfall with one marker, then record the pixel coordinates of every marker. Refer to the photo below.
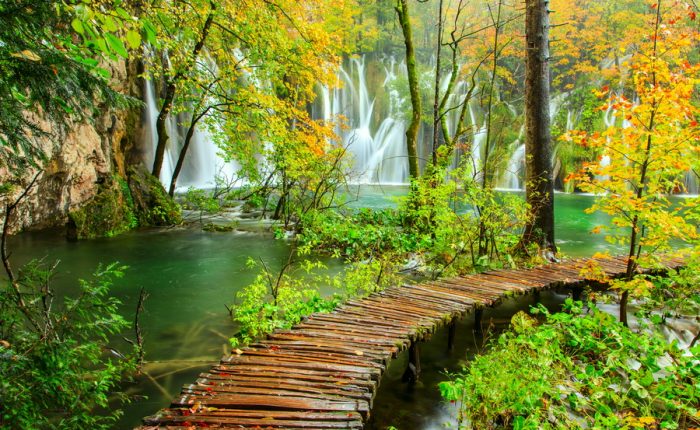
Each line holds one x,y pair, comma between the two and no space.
203,164
375,139
379,157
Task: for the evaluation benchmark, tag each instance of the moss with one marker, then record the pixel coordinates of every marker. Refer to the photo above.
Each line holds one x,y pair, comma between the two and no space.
153,206
109,213
220,227
121,205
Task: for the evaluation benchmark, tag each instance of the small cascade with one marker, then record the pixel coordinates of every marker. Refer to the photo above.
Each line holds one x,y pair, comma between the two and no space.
691,183
479,135
511,178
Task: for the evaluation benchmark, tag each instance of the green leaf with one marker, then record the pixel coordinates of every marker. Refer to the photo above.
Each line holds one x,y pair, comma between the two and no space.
116,45
109,24
133,38
150,30
102,45
103,72
78,26
123,13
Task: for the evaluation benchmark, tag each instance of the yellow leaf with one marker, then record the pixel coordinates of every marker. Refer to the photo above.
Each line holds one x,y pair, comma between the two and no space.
26,55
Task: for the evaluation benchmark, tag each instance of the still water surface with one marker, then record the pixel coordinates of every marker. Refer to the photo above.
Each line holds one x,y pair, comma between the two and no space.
190,276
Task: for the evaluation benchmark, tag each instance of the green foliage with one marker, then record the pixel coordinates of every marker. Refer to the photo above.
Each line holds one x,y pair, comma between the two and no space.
577,370
677,293
200,200
452,226
153,206
275,301
55,366
281,300
358,235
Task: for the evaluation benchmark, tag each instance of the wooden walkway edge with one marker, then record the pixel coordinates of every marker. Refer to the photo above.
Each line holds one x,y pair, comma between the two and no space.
324,372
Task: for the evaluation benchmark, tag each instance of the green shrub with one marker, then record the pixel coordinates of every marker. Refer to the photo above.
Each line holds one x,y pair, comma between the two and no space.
578,370
56,368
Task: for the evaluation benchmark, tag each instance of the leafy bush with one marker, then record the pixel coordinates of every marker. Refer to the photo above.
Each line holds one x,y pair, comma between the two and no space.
281,300
55,366
578,370
453,226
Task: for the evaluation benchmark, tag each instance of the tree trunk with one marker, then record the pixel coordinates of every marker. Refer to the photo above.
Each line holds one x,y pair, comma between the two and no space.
161,128
539,189
412,131
637,228
171,89
438,76
181,159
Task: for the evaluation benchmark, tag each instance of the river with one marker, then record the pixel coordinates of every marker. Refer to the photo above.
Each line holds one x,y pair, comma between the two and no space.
190,275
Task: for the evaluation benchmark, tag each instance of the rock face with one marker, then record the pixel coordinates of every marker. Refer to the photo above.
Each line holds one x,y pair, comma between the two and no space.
82,156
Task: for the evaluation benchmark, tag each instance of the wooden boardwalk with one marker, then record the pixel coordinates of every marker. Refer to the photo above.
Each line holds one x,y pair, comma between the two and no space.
324,372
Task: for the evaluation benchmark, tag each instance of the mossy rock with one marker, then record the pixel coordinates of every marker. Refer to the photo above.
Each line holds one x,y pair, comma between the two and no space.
212,227
109,213
153,206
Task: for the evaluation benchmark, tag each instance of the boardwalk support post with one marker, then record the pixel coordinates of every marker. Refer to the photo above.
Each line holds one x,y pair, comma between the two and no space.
412,373
478,316
576,292
451,332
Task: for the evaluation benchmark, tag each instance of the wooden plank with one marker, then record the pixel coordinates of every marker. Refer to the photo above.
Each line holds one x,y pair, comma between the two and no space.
268,374
330,342
263,419
319,337
284,384
271,400
305,346
333,357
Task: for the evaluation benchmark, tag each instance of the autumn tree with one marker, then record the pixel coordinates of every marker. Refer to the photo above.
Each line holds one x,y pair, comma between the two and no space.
652,144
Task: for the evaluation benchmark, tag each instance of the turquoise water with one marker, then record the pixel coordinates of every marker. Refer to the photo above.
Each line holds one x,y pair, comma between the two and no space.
192,275
572,226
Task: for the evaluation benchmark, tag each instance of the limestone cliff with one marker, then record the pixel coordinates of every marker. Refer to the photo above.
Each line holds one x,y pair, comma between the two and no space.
82,157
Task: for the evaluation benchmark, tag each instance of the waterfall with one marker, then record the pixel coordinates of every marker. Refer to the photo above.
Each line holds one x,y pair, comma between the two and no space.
511,178
379,156
203,162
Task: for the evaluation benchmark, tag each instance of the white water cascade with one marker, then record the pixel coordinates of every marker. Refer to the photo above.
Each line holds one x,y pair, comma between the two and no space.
379,156
202,164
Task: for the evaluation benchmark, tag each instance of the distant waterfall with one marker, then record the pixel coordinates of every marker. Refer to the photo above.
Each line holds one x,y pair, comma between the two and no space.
379,153
511,179
202,164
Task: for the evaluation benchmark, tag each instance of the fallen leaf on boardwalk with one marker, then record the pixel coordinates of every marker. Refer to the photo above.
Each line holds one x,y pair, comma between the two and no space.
196,407
238,351
359,353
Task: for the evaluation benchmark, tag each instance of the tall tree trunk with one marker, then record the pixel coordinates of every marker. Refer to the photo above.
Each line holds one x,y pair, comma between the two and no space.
487,168
183,151
438,76
412,132
171,90
539,189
